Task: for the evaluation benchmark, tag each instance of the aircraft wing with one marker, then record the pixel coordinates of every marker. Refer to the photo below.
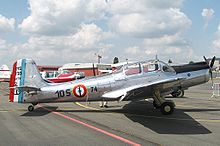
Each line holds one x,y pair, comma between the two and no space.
160,84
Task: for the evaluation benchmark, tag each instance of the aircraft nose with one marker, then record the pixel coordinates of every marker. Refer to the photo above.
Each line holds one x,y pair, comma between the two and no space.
207,76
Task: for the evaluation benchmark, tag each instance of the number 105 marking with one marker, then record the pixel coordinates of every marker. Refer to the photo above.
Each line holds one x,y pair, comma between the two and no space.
62,93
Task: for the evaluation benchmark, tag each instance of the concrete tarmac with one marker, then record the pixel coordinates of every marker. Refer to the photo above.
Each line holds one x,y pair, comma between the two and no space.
196,121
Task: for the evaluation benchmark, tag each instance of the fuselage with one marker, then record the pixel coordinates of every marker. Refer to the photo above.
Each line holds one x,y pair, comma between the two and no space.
92,89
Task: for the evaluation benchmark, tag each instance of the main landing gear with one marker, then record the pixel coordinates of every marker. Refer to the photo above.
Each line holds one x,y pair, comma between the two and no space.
178,93
166,106
31,107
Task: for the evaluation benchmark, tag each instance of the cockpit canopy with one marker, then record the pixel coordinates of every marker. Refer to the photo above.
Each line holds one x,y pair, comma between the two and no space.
145,67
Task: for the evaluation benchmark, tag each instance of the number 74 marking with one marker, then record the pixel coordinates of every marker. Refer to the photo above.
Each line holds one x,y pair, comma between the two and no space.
93,89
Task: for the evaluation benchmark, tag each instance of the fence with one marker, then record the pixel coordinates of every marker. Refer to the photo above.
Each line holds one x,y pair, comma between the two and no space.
216,90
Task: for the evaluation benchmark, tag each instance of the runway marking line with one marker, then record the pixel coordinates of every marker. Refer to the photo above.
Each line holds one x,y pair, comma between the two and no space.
92,127
85,106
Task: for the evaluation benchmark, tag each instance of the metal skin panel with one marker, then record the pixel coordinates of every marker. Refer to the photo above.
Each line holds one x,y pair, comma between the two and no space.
134,86
194,78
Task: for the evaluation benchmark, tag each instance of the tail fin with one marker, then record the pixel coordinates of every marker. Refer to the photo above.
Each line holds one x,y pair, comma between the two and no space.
25,75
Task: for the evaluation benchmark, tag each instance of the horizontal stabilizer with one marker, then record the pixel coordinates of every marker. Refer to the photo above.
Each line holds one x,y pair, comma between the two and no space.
26,88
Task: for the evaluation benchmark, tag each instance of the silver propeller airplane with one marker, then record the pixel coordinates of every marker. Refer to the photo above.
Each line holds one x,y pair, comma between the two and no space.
135,81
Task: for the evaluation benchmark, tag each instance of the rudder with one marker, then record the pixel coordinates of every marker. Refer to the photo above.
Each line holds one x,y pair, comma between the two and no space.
24,74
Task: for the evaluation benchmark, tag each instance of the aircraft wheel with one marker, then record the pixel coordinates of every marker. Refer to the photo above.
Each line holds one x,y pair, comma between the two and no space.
30,108
155,105
167,108
178,93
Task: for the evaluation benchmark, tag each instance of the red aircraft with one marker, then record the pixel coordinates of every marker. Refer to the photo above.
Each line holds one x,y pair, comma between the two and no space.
64,76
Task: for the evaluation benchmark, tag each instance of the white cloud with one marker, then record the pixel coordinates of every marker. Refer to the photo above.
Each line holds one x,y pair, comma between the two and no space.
87,37
207,15
135,50
167,40
143,24
74,30
128,17
216,42
50,17
140,6
95,9
158,24
174,47
166,44
79,47
218,30
6,52
2,43
6,24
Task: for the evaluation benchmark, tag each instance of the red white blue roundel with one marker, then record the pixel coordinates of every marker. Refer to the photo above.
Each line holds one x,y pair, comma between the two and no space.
80,91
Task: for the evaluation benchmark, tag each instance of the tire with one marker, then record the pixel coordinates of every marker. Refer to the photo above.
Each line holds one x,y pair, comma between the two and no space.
167,108
178,93
30,108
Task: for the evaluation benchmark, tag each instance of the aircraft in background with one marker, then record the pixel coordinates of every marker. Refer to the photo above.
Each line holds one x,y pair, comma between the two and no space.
131,82
60,77
5,73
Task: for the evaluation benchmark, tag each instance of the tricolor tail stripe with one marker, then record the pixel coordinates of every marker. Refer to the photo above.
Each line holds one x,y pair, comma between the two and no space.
12,83
22,75
17,80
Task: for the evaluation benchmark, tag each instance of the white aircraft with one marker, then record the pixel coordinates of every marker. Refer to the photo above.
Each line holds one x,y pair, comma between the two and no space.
5,73
135,81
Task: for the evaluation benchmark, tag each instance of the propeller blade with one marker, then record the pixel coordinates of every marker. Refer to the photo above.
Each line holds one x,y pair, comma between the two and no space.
205,58
212,62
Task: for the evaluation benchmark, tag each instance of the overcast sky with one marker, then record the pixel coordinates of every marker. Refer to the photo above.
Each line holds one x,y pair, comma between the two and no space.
54,32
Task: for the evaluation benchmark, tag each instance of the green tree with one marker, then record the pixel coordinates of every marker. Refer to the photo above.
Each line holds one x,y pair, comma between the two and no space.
191,62
170,61
116,60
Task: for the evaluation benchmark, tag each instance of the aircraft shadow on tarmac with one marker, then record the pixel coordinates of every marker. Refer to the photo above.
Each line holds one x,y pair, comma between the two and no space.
143,113
177,123
40,111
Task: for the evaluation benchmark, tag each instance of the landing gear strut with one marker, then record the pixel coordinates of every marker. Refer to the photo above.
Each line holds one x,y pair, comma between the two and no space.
155,105
31,107
166,106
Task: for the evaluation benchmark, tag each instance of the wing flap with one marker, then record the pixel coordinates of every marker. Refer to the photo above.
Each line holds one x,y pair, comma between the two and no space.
118,93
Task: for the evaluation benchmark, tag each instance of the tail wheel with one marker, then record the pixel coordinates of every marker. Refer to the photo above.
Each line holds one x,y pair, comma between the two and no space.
167,108
30,108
